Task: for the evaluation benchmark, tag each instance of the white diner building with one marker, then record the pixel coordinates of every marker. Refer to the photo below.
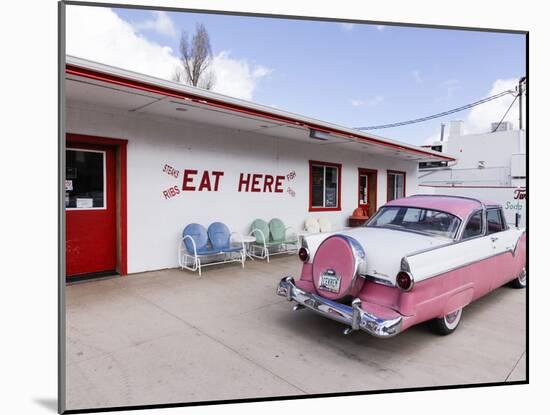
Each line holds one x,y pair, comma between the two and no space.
145,157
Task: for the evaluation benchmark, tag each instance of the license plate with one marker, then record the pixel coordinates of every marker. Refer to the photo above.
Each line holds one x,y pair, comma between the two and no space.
329,282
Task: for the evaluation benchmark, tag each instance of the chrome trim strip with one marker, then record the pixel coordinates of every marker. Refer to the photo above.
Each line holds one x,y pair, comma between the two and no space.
517,243
431,248
464,265
355,316
380,281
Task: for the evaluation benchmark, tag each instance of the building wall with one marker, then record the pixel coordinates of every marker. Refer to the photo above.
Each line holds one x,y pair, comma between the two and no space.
155,221
495,149
503,154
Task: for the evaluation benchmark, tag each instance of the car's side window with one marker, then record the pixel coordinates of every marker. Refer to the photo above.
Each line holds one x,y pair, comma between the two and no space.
474,227
494,221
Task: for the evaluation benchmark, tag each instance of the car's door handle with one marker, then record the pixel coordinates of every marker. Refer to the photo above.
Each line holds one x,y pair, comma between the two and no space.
494,238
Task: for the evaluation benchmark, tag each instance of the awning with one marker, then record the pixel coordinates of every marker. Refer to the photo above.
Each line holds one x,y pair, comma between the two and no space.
96,84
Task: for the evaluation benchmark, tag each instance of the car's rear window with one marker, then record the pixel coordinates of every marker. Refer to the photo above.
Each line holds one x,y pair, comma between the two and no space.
427,221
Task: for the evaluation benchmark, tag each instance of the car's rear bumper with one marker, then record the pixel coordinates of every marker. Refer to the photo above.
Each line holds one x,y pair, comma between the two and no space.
357,316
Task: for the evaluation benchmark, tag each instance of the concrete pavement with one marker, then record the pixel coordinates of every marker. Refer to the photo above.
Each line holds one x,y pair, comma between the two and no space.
170,336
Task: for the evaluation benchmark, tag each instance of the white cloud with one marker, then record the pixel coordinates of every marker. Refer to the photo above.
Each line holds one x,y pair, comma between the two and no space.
99,34
479,118
371,102
261,71
236,77
436,137
347,26
160,23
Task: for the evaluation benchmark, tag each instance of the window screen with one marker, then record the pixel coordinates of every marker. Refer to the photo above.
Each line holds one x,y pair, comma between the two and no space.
396,185
331,186
363,189
324,186
85,179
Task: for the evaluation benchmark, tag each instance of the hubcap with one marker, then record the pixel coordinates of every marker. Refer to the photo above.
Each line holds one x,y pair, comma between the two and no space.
450,318
523,277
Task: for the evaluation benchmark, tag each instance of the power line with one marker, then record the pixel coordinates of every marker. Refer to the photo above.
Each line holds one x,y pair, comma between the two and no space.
441,114
506,113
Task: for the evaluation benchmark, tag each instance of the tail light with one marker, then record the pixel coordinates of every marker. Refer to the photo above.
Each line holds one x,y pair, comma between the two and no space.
404,281
303,254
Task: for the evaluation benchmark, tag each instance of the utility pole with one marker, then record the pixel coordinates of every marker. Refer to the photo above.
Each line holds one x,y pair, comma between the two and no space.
520,92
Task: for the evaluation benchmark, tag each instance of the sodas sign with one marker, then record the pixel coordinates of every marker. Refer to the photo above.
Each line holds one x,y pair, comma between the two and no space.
520,193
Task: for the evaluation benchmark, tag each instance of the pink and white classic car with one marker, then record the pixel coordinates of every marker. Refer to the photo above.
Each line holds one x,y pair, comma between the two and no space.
419,258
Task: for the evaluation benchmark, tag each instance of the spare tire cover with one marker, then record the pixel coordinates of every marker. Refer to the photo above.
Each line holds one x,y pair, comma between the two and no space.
334,267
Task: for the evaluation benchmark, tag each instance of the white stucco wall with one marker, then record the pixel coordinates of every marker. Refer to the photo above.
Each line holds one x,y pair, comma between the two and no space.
495,149
155,223
503,154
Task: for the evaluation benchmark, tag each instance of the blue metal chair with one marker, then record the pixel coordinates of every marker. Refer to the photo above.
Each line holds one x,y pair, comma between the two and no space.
197,244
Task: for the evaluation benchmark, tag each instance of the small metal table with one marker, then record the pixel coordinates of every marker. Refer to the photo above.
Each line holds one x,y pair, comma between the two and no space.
247,240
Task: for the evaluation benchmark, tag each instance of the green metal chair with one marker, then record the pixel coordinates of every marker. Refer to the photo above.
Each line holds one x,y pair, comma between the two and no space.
272,239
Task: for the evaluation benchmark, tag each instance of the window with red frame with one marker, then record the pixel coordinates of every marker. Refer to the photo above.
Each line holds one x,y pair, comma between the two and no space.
324,190
396,184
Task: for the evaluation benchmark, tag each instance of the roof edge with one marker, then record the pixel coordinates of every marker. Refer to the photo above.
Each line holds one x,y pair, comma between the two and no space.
95,70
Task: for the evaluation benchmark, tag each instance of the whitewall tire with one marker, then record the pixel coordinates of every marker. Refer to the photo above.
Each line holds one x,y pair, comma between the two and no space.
520,281
448,323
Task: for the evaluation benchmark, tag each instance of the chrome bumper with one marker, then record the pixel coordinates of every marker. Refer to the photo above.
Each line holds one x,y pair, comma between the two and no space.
354,316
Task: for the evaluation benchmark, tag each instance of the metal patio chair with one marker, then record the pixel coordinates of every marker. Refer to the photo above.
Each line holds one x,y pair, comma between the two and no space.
199,248
272,239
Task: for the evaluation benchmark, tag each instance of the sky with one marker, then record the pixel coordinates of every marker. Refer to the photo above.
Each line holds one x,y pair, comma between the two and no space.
350,74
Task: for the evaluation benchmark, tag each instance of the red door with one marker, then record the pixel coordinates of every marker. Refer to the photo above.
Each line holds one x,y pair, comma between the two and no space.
90,209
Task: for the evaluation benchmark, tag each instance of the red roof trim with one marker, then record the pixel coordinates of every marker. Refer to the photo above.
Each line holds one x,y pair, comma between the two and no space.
131,83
